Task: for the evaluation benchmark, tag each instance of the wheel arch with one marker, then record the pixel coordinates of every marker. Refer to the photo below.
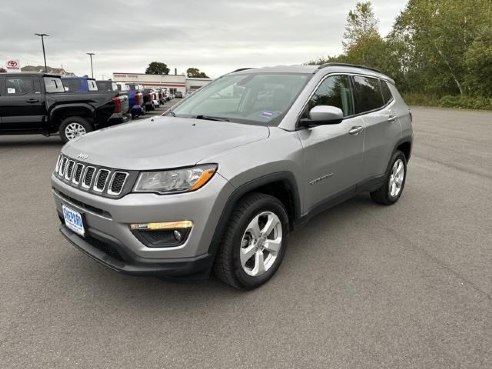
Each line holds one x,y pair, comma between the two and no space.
405,146
59,113
281,185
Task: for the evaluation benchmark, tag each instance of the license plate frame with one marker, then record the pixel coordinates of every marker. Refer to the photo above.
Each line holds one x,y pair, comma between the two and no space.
74,220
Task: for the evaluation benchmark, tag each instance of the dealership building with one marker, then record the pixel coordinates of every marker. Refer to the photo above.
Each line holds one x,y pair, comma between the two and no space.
173,82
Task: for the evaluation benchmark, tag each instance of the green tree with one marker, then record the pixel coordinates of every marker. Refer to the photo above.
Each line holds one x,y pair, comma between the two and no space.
157,68
478,64
361,24
195,73
362,43
438,34
437,49
329,59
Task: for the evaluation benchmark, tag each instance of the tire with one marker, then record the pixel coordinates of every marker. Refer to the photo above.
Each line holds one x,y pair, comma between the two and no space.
73,127
394,181
241,238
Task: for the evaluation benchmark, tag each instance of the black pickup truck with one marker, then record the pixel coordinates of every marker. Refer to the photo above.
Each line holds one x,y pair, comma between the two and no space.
38,103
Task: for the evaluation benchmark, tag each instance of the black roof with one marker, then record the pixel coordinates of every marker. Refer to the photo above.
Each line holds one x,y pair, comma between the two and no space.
20,74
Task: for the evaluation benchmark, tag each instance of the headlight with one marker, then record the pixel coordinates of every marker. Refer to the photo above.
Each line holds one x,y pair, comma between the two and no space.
175,180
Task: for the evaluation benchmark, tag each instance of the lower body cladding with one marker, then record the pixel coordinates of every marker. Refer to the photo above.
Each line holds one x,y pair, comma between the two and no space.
124,234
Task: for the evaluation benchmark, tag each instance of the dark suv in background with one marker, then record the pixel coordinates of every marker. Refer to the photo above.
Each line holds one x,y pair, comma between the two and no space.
38,103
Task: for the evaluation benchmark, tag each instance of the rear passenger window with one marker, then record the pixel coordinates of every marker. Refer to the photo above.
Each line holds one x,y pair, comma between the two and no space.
333,91
19,86
387,97
72,85
368,94
92,85
53,84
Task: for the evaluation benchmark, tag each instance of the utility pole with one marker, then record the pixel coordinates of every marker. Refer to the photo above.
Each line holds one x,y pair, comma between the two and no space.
43,35
92,69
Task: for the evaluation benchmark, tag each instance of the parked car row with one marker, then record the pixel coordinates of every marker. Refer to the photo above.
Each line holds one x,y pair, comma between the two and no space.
47,104
44,103
155,97
140,99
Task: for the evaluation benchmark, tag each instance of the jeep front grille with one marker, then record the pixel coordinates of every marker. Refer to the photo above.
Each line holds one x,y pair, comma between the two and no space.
94,179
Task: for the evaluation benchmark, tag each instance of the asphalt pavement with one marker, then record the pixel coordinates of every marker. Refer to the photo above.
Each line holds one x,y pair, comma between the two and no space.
361,286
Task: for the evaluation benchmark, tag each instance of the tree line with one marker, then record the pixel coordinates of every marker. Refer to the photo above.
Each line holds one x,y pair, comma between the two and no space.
161,68
438,51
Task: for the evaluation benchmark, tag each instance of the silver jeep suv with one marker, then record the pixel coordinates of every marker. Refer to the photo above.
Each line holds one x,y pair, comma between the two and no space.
219,181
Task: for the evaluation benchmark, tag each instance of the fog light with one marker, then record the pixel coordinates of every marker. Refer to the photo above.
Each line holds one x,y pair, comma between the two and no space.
161,226
177,235
162,234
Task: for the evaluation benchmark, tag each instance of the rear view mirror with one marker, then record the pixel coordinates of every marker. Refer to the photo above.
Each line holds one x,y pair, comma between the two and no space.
323,114
326,113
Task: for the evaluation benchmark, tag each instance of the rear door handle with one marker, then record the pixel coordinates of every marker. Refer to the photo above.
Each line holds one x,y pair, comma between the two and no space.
32,101
356,130
391,118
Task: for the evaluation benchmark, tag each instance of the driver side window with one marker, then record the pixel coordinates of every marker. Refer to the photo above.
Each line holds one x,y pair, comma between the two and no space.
333,91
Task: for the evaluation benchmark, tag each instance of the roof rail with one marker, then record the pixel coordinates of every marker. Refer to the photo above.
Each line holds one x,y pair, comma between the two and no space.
348,65
240,70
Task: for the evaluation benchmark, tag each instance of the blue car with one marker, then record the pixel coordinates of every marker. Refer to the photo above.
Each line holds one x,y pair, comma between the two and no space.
135,97
79,84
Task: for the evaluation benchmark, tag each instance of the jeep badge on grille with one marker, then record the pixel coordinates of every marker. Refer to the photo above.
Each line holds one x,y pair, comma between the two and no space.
82,156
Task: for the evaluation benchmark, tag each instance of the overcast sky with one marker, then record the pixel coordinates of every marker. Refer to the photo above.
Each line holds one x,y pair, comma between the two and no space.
216,36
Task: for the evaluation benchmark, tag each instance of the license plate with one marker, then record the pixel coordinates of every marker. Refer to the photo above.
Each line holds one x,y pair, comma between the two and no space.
73,220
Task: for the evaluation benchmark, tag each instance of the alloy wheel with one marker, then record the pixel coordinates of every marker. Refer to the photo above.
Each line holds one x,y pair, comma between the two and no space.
396,178
74,130
261,243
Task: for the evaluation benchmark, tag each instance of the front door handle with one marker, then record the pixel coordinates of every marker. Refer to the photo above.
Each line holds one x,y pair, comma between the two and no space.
391,118
32,101
356,130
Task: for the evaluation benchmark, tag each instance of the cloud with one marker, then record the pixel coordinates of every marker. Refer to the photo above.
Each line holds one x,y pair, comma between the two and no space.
216,36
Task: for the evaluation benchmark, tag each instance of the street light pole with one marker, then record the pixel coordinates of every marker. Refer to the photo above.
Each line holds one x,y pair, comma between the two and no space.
42,35
92,69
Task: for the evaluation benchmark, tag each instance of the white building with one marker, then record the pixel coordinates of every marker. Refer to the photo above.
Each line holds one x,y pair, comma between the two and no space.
173,82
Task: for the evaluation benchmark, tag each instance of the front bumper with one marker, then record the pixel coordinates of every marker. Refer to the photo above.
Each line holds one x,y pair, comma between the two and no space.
107,221
109,252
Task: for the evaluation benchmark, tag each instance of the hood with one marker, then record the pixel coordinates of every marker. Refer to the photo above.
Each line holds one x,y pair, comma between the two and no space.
162,142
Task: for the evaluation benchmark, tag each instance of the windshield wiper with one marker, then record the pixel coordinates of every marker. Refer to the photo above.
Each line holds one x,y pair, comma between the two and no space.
208,117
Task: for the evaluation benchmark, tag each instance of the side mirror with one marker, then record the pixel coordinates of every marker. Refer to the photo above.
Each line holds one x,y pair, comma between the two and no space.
323,114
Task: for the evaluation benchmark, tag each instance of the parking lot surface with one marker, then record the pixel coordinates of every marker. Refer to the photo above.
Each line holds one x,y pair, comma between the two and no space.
362,286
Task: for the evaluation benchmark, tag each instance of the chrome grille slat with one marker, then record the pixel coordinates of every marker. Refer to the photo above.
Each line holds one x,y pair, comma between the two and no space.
57,166
79,169
117,183
101,180
88,176
69,170
64,162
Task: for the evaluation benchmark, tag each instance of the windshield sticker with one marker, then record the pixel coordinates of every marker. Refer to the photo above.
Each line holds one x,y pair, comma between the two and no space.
11,90
267,114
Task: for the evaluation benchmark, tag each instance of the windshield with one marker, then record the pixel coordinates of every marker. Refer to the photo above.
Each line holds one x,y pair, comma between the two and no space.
262,98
